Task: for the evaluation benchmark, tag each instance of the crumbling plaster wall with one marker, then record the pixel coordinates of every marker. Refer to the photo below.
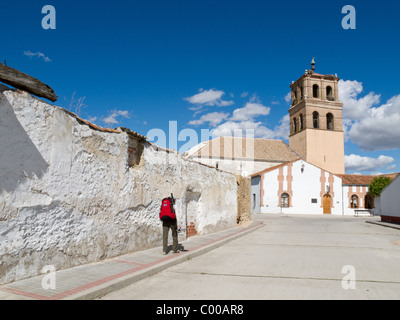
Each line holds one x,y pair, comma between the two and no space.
70,194
243,199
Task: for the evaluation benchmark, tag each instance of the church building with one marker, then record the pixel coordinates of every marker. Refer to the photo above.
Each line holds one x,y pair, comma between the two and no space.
316,183
308,175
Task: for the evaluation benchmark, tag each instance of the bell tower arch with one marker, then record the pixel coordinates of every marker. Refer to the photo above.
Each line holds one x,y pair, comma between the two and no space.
319,138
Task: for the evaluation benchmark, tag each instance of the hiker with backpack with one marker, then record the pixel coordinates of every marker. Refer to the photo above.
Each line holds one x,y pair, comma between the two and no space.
168,217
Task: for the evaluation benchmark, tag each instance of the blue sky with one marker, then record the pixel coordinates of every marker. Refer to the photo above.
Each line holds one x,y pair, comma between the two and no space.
215,65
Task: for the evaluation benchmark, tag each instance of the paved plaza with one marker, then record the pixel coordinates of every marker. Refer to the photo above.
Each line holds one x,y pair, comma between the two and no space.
274,257
290,257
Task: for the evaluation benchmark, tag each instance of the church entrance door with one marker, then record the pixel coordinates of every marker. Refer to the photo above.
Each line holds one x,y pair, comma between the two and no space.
326,204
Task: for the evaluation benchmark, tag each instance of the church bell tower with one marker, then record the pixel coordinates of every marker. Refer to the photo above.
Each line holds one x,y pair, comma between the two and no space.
316,130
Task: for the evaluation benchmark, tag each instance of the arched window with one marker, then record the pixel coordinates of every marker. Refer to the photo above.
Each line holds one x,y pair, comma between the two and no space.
301,121
315,117
354,201
294,97
285,200
329,93
329,121
301,93
315,90
294,125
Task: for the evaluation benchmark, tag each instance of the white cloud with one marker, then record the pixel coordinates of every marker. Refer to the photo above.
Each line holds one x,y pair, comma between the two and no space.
369,126
347,123
124,114
250,111
232,128
116,114
355,162
214,118
210,97
40,55
242,119
92,119
380,130
356,108
288,97
244,94
223,103
110,120
282,131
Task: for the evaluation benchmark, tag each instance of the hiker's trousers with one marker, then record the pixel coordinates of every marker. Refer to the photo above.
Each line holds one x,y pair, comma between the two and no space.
174,228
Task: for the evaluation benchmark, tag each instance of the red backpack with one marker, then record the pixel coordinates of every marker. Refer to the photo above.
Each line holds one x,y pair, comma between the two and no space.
167,211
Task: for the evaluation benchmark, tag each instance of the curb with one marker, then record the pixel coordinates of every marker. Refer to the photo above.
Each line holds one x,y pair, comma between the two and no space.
384,224
124,281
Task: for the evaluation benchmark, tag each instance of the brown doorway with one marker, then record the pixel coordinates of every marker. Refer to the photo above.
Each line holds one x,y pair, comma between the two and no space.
368,202
326,204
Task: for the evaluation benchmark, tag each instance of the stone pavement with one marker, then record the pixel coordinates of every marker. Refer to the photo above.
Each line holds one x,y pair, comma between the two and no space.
96,279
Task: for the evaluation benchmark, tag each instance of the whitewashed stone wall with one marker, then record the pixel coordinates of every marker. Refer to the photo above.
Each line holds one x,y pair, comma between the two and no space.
70,194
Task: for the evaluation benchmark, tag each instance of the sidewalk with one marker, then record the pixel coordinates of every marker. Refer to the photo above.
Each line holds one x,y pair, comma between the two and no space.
96,279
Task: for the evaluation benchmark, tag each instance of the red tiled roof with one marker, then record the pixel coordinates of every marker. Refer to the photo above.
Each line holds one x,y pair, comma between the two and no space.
133,133
274,167
358,179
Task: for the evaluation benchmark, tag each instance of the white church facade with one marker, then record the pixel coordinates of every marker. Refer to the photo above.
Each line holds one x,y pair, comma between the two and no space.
297,187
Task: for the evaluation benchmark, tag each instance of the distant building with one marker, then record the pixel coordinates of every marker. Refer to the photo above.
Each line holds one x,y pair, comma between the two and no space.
301,187
355,190
240,155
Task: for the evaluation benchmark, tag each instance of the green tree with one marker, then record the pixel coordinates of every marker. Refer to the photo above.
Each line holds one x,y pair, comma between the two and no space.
378,184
